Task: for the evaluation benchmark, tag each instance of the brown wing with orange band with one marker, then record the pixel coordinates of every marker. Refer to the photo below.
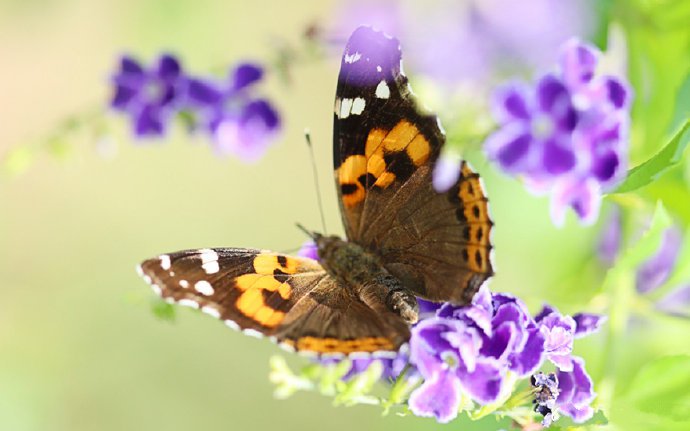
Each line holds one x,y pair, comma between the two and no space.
289,298
385,149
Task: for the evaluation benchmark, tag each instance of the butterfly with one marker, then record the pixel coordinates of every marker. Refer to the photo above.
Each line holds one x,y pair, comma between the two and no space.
403,239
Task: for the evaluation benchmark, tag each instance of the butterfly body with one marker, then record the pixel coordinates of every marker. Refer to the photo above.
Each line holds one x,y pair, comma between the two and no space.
403,239
362,271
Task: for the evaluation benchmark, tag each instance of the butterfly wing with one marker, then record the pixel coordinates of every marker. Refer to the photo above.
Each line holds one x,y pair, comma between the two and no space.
385,149
291,299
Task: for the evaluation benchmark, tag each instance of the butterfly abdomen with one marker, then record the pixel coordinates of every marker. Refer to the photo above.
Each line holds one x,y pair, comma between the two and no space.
363,273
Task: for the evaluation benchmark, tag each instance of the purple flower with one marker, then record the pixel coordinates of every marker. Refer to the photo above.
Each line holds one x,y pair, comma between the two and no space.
469,350
567,136
655,271
148,96
576,392
238,121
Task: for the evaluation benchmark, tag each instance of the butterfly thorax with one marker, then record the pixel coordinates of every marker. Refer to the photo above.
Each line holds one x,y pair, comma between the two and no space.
361,271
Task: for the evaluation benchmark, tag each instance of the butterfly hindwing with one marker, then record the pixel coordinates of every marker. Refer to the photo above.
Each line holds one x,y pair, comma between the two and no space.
291,299
385,149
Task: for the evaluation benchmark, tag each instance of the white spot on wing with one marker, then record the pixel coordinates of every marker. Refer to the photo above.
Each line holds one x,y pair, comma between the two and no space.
232,325
156,289
211,267
188,303
165,261
211,311
358,106
351,58
345,107
378,68
140,271
253,333
204,287
382,90
147,279
208,255
184,283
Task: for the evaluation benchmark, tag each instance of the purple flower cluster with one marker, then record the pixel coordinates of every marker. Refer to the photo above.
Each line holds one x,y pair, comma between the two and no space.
567,136
238,122
469,351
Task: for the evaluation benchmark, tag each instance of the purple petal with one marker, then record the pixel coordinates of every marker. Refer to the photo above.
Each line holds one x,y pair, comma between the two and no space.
149,122
578,63
552,95
309,250
168,67
656,270
611,237
587,323
427,308
246,74
438,397
676,302
446,173
510,102
557,158
510,147
484,383
527,360
261,111
576,386
545,311
122,97
617,92
130,66
606,166
501,343
203,93
576,392
583,196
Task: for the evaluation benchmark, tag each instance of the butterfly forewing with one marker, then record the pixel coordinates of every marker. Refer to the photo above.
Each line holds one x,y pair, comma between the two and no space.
291,299
385,149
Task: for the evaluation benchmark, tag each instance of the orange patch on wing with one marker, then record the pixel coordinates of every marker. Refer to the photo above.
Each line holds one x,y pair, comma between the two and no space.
266,263
334,345
476,212
478,259
400,136
252,304
419,150
374,141
348,178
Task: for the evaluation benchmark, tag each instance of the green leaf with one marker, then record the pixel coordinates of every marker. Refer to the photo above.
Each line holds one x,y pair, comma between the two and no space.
661,388
652,169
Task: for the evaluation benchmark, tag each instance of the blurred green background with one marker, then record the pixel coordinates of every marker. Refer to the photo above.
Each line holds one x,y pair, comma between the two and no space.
80,348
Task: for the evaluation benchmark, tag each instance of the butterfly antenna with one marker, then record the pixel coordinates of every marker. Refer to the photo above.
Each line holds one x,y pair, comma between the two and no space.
310,234
307,137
